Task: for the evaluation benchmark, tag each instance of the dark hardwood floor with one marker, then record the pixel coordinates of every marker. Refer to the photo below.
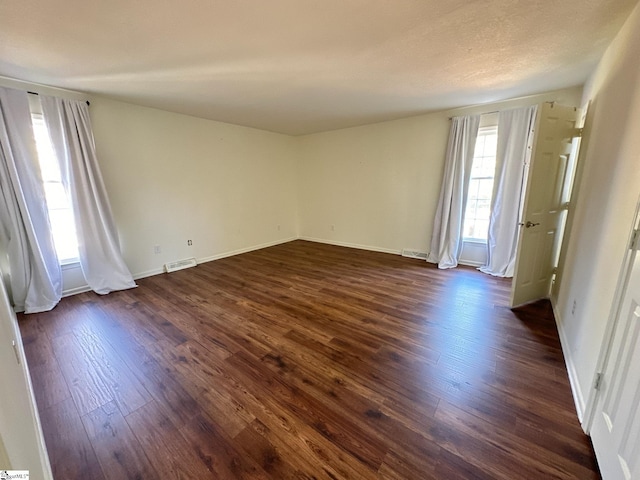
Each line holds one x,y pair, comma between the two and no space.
305,361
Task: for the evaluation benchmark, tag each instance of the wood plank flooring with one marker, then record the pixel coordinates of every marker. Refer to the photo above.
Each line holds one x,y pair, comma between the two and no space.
305,361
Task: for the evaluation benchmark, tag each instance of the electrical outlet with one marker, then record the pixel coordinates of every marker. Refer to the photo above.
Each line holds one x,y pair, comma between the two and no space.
156,249
573,308
333,227
189,242
278,227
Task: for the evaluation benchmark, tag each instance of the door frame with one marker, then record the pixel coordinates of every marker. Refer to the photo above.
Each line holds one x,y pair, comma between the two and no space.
604,355
576,156
573,198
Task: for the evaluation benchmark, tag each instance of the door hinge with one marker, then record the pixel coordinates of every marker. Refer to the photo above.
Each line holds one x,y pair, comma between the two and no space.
577,132
597,383
633,244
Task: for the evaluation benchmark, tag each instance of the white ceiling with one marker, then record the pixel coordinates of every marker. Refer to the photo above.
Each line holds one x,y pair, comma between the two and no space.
303,66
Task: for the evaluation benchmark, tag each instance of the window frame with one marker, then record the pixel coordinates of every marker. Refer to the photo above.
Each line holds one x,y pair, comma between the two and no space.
37,122
483,131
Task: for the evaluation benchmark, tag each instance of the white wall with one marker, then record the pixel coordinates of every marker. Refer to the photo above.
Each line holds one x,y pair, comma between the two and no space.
378,185
374,184
173,178
608,192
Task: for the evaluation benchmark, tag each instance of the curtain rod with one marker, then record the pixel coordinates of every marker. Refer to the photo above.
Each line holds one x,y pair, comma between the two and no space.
36,93
483,113
552,102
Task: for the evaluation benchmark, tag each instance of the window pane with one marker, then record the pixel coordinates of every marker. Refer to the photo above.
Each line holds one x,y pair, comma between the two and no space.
479,146
46,157
481,229
490,145
476,169
485,188
64,234
56,196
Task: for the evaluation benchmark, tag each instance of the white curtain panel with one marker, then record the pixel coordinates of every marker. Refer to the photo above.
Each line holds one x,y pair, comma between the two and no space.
515,137
35,277
72,138
446,241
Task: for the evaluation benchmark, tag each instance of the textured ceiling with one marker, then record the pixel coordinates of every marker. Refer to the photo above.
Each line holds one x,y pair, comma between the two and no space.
302,66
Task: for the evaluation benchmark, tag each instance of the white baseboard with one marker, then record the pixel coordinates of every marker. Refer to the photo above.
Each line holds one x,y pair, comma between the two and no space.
578,399
148,273
231,253
218,256
352,245
470,263
158,271
245,250
76,290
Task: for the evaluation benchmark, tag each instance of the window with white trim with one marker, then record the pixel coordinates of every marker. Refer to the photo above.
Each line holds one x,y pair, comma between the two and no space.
58,203
478,211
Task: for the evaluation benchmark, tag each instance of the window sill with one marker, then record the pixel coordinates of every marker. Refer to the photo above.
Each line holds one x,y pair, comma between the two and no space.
476,241
69,264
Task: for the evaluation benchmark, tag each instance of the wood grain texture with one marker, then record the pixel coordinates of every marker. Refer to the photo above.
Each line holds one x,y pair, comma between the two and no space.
120,454
306,361
70,451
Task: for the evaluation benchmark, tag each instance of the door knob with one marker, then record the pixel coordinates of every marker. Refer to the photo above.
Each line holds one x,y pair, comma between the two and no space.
530,224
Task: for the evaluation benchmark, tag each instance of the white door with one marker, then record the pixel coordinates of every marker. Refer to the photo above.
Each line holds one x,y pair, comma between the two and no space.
542,221
20,431
616,426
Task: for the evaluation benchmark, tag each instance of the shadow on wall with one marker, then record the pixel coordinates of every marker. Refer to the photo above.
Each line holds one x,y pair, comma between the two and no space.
600,167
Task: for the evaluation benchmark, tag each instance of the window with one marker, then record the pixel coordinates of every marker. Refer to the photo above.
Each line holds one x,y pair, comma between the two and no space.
476,217
58,202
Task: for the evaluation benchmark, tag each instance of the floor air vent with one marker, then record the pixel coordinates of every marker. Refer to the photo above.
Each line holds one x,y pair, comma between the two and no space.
180,265
414,254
